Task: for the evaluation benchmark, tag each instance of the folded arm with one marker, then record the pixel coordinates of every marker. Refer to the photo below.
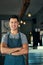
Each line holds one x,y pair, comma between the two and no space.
6,50
22,51
14,51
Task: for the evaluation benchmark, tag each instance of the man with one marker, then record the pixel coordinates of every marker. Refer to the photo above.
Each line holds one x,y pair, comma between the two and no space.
14,44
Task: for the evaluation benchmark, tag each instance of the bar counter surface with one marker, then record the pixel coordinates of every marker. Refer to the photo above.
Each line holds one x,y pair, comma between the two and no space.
35,56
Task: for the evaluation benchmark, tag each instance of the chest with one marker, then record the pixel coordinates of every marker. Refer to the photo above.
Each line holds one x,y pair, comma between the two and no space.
13,43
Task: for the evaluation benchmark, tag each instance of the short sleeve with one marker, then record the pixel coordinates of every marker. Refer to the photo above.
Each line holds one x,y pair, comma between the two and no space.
24,39
4,39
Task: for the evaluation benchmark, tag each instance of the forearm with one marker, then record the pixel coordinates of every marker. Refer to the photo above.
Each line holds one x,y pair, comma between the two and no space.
21,52
6,50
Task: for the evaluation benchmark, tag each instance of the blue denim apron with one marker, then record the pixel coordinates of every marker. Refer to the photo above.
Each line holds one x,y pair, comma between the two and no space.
14,60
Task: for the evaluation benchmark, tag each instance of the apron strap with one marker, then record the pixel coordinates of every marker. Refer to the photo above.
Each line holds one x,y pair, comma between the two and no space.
20,37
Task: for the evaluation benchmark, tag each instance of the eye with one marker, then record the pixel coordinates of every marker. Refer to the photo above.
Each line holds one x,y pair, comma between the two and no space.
11,21
15,21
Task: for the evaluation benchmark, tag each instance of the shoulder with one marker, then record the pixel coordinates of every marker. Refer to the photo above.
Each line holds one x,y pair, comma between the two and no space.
22,34
5,35
4,38
23,38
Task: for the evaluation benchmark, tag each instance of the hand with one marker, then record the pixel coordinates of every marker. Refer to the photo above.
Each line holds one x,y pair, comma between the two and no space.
13,54
17,50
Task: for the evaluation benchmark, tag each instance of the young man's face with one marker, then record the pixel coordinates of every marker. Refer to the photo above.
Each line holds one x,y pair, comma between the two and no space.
13,24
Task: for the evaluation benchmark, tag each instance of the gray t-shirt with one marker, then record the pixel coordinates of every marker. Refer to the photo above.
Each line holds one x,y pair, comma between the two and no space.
23,38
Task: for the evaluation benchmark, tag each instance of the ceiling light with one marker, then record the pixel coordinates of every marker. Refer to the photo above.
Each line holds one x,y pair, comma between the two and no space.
24,23
18,25
21,21
29,15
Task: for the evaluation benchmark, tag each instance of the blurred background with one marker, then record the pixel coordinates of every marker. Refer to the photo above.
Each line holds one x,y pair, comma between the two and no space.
30,13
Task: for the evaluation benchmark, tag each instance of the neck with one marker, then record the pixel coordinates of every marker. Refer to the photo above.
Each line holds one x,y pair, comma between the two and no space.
14,32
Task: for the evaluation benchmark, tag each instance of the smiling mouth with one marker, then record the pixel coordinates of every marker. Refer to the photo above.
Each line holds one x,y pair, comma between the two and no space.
14,26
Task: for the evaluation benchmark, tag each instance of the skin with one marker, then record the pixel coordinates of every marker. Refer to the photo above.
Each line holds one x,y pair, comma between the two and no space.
14,51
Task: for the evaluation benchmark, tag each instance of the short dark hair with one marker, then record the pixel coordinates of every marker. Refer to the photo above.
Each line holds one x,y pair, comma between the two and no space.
14,16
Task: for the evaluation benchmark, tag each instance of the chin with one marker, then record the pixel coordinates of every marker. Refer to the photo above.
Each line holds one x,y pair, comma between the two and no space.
14,29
